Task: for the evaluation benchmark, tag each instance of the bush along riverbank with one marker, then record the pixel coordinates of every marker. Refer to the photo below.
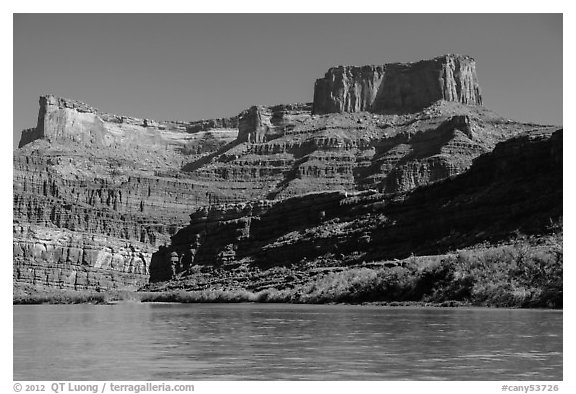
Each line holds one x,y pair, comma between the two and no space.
521,274
30,295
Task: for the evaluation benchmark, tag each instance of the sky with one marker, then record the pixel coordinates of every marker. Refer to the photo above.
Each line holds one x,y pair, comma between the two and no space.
202,66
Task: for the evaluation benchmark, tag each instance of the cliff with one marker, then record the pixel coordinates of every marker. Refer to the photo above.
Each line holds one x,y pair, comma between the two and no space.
61,119
397,87
96,193
290,152
98,197
78,260
517,187
260,124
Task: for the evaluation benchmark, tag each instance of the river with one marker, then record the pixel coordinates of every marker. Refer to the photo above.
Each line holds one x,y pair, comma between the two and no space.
133,341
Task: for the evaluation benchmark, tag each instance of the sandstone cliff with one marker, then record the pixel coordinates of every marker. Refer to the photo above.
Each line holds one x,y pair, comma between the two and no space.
297,152
96,195
518,187
61,258
397,87
70,180
61,119
261,124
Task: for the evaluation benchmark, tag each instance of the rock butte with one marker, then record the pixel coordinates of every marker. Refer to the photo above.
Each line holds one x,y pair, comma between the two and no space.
398,87
104,201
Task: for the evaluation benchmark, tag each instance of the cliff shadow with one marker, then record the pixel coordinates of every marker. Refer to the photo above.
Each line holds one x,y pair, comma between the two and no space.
301,155
197,164
422,145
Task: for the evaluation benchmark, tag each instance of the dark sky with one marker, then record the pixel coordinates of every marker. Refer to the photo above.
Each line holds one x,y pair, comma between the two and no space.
193,66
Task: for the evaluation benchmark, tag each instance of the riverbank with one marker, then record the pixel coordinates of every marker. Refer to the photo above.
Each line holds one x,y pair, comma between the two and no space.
521,274
112,298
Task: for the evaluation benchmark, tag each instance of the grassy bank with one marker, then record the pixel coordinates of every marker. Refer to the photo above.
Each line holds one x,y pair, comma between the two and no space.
31,296
60,297
519,275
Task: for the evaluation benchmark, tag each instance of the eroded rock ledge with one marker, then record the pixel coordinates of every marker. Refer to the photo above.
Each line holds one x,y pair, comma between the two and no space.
517,187
65,119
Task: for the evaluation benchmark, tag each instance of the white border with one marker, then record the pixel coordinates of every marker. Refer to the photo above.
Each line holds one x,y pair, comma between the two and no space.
301,6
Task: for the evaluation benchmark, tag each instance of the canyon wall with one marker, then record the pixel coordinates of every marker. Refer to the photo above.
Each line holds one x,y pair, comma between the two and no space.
98,197
517,187
397,87
78,260
297,152
90,231
136,184
95,193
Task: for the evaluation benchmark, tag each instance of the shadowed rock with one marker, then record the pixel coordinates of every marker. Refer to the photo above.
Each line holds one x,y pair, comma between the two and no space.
517,187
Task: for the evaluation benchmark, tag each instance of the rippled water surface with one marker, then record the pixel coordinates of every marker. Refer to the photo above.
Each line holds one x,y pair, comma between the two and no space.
275,341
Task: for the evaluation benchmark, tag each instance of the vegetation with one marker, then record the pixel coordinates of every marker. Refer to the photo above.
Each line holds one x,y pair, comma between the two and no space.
524,274
61,297
514,275
217,295
29,295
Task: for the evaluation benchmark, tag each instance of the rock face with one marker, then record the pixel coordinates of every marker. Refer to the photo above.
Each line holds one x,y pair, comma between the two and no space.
293,153
96,193
397,87
61,258
518,187
61,119
99,197
260,124
88,231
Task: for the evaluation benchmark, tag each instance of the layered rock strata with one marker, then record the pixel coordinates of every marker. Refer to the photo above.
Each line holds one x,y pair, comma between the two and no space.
517,187
356,151
260,124
88,183
398,87
115,189
133,192
60,258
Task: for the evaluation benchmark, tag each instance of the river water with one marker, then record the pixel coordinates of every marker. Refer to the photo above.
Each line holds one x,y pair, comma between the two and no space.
132,341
